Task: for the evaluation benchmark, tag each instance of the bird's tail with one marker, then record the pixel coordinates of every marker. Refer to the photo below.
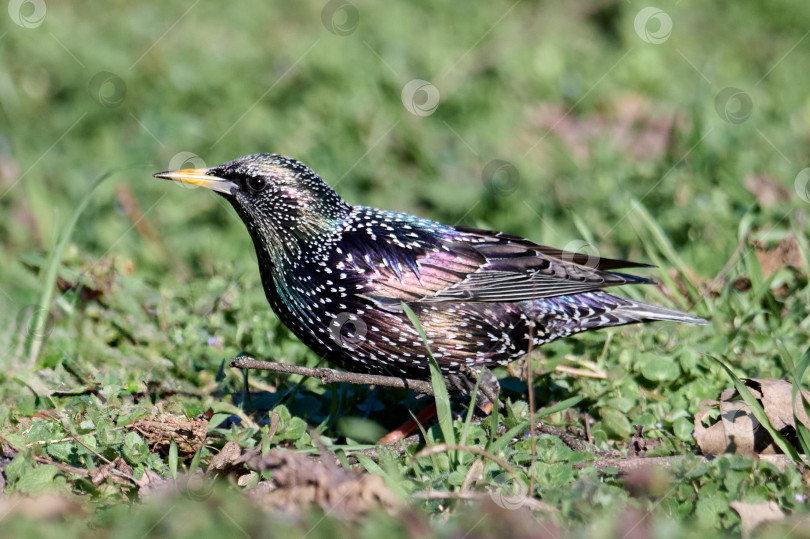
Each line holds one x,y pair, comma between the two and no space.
628,311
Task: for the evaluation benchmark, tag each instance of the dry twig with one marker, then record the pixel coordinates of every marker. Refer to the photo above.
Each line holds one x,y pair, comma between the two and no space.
327,376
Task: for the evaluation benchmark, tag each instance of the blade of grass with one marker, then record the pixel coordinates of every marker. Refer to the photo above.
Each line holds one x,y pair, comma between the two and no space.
663,276
663,244
195,461
582,228
428,441
471,409
440,394
759,413
36,339
559,407
173,458
507,436
801,430
785,356
753,271
800,369
341,456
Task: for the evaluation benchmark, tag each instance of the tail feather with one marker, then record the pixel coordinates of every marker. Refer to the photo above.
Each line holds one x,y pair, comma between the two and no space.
644,312
628,311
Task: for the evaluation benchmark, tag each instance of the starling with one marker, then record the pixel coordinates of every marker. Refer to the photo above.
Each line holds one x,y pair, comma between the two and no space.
337,276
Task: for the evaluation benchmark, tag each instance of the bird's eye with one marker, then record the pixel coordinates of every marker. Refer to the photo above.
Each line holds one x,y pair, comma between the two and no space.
255,184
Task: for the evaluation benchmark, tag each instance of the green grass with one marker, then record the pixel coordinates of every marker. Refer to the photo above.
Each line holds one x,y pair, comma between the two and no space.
614,146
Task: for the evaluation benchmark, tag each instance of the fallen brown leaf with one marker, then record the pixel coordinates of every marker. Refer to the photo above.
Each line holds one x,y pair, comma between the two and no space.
734,433
225,459
754,514
188,434
738,431
766,191
245,479
776,397
300,481
786,252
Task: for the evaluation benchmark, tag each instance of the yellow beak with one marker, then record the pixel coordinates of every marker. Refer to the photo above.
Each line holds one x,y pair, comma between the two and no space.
198,177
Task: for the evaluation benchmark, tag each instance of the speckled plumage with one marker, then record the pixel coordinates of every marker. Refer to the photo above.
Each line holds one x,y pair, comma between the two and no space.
336,276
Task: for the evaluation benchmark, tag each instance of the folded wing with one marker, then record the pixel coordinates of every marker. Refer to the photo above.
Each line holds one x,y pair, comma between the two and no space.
471,265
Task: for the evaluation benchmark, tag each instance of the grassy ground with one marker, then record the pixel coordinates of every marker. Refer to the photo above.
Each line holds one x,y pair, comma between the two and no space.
674,137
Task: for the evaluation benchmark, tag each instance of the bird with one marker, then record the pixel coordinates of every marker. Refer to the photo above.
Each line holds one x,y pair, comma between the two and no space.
337,275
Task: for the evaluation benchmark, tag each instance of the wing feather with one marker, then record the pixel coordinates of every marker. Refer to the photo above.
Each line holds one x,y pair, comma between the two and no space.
455,264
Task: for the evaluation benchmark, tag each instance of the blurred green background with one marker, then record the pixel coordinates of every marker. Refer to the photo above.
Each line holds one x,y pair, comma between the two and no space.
588,113
674,134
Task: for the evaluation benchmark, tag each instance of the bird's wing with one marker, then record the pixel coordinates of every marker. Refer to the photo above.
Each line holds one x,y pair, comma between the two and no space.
463,264
516,269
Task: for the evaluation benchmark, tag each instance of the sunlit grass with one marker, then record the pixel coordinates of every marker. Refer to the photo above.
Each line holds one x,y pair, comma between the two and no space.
126,303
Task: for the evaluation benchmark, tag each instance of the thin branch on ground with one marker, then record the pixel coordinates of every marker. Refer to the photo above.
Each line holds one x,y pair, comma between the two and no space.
396,449
573,442
61,466
327,376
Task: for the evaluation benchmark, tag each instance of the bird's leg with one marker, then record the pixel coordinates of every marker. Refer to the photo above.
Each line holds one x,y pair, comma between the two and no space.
410,426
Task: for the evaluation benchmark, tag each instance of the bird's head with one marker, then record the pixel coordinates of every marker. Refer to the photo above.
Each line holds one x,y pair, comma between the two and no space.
283,202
